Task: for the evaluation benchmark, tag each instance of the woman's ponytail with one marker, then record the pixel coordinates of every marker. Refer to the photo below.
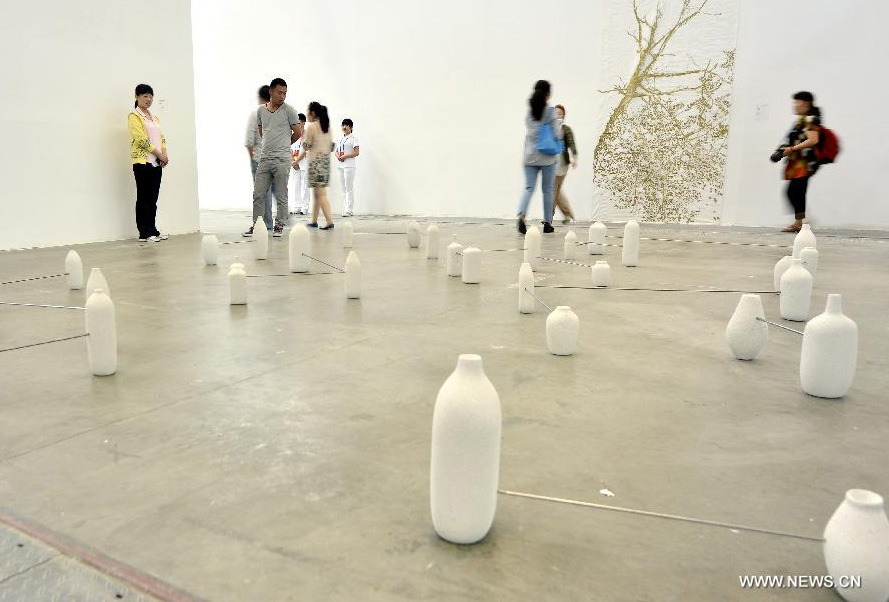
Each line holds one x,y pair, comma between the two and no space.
538,99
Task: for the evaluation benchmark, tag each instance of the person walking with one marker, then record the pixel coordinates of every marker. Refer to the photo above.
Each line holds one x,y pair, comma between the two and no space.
801,163
346,150
279,127
540,115
148,150
253,142
564,161
319,145
299,174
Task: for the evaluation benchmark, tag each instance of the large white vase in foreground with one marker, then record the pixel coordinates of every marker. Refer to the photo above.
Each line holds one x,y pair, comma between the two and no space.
298,248
353,276
432,241
570,246
562,329
454,262
526,283
102,330
532,247
601,273
830,352
97,280
237,284
856,543
804,238
472,265
210,249
413,235
745,334
465,454
260,239
74,270
796,292
630,251
596,244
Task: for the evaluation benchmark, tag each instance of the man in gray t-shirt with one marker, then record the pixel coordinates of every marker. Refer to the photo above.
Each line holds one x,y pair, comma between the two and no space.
279,126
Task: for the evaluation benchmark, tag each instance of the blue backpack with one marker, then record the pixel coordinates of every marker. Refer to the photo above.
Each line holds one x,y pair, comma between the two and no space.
547,143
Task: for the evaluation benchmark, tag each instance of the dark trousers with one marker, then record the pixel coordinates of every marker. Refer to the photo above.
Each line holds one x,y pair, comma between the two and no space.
796,194
148,188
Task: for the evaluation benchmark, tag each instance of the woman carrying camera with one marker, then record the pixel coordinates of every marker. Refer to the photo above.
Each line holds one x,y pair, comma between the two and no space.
799,152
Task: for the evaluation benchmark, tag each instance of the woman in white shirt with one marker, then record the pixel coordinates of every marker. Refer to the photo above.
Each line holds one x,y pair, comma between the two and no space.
346,151
299,175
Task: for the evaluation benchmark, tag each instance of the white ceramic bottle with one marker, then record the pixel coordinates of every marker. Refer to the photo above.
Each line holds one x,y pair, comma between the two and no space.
783,264
237,284
809,255
413,235
562,329
796,292
74,270
260,239
745,334
601,273
596,244
454,260
830,352
856,543
347,230
465,463
630,251
237,263
102,342
210,249
532,247
353,276
804,238
526,281
472,265
570,246
298,243
432,241
97,280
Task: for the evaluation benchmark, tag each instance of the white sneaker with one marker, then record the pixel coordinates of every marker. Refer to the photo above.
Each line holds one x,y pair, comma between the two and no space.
163,236
154,239
347,214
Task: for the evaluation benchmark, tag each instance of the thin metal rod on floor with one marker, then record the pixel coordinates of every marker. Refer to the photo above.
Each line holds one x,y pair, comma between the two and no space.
35,278
799,332
325,263
79,336
235,242
658,290
583,265
601,244
699,521
720,242
528,290
39,305
293,274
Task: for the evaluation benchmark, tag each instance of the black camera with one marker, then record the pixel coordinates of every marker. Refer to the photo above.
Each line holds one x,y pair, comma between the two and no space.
777,155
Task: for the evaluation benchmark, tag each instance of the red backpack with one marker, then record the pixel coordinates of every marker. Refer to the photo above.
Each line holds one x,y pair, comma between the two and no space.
828,147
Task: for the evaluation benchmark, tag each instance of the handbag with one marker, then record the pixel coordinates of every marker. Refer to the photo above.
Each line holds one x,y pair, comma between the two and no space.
547,143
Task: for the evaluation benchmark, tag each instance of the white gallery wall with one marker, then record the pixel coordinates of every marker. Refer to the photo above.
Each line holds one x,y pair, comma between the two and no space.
438,92
68,75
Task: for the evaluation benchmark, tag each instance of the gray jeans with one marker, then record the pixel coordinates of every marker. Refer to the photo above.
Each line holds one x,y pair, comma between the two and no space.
267,212
271,172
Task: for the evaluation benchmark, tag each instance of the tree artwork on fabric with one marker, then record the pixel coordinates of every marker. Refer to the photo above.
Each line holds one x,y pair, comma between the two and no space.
662,153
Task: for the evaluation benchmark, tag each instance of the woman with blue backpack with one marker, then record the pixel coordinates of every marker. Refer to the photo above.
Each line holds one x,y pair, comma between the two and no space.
543,145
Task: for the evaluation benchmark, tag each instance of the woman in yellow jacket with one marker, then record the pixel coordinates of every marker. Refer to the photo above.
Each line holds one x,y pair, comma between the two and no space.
149,153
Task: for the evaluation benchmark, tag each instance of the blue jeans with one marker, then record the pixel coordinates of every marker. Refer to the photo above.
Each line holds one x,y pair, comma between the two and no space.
548,176
267,214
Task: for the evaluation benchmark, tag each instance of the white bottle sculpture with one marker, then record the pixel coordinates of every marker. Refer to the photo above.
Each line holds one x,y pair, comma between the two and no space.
97,280
596,244
601,272
809,255
526,281
432,241
346,231
74,270
238,263
413,235
454,260
102,341
532,247
745,334
562,328
630,251
210,249
353,276
783,264
570,246
796,292
804,238
465,463
856,543
830,352
260,239
298,243
472,265
237,284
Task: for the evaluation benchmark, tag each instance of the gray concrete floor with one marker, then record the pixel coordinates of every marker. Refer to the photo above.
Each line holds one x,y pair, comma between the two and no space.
280,451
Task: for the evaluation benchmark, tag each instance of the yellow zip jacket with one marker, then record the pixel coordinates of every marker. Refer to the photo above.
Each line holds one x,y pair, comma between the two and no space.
141,146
